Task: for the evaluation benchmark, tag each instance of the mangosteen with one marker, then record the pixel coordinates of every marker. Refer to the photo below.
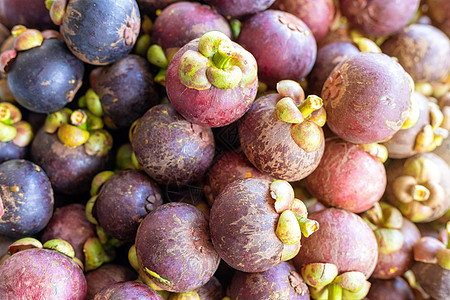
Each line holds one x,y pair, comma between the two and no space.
43,76
31,13
26,198
239,8
212,81
127,290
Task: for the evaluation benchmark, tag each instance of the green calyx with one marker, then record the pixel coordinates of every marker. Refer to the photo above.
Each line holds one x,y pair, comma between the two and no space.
99,180
12,128
218,62
123,157
27,39
94,254
283,194
190,295
23,244
132,258
157,277
99,143
61,246
318,275
389,240
57,9
90,210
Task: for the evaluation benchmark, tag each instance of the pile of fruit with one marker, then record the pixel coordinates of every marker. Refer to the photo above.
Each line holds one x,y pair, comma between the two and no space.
224,150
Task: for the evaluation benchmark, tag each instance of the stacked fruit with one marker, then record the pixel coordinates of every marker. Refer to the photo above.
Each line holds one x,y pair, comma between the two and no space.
275,149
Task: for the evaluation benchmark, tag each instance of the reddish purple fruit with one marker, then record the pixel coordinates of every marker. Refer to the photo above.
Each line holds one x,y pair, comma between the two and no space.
378,17
317,14
212,81
127,290
439,12
347,177
396,288
181,22
174,249
105,276
279,282
237,8
30,13
367,98
282,44
344,239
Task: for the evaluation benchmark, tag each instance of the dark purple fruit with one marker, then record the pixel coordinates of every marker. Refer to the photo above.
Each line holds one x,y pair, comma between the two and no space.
127,290
183,21
433,279
378,17
317,14
41,274
100,32
174,249
10,151
170,149
237,8
279,282
70,224
396,288
328,57
30,13
105,276
211,290
126,89
282,44
367,98
123,202
26,198
45,78
150,6
227,168
422,50
70,170
439,12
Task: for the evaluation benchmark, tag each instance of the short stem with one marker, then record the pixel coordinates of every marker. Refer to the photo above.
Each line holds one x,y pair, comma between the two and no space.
307,226
420,193
311,104
161,77
223,55
78,118
5,115
334,292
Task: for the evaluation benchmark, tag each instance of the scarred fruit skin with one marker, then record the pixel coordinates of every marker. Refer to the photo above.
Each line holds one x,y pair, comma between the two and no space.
317,14
367,98
269,146
41,274
402,144
26,198
397,263
236,8
422,50
70,224
181,22
289,48
212,107
126,90
124,200
344,239
243,222
105,276
45,78
127,290
174,249
171,149
378,17
347,177
70,170
100,32
279,282
396,288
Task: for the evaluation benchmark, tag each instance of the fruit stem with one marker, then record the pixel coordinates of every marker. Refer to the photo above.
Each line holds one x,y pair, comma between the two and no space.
311,104
223,55
334,292
420,193
5,115
307,226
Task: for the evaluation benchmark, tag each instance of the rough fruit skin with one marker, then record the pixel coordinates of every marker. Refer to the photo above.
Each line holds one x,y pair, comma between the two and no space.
213,107
396,288
174,242
96,30
70,170
422,50
182,22
347,177
402,144
171,149
317,14
70,224
398,262
433,279
268,144
124,200
343,239
26,198
236,8
279,282
46,78
41,274
289,49
105,276
127,290
378,17
367,98
242,222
